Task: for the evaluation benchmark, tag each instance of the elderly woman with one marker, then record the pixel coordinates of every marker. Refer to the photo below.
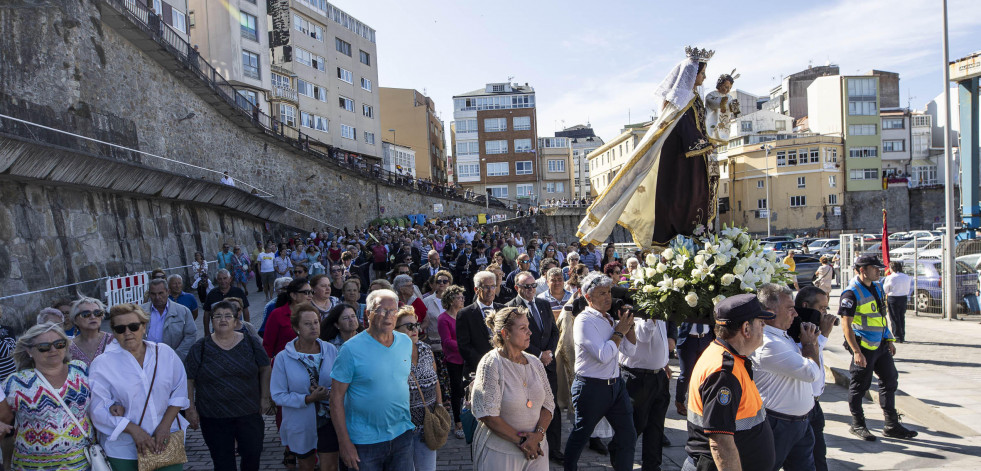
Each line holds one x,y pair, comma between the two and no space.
823,275
511,398
87,314
573,261
147,379
403,286
300,385
51,314
228,387
47,436
340,325
424,387
352,295
278,329
556,295
279,287
434,306
321,299
453,300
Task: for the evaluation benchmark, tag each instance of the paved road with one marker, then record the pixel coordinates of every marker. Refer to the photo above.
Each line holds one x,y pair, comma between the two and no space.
939,370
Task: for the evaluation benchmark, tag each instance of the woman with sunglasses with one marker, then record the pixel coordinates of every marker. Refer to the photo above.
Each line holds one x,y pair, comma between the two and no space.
278,330
91,341
148,380
422,380
47,437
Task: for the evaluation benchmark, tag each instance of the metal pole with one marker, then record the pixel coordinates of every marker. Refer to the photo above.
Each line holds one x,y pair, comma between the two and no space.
950,282
916,278
769,205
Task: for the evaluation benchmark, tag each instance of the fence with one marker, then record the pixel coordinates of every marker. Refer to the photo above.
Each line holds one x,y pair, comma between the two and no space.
126,289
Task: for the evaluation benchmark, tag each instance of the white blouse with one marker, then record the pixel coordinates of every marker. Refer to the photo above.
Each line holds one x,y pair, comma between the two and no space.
117,378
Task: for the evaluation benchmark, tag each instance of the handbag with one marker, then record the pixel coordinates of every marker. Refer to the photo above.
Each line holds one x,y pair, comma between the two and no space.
173,452
435,424
467,418
94,453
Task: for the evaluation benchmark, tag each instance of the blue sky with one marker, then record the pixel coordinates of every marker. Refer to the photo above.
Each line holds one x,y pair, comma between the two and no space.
600,60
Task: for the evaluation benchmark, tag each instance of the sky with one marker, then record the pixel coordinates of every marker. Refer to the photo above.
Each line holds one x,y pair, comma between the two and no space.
600,61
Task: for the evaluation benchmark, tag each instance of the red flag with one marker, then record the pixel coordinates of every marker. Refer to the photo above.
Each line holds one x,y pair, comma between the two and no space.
885,242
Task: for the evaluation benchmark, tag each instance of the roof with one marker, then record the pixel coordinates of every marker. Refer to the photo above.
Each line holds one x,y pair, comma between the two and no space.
515,88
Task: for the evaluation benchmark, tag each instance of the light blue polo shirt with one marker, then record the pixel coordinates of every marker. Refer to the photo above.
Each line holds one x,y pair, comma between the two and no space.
377,401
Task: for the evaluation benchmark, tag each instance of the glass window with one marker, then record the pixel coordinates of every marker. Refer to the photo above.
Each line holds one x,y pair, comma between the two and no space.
523,167
781,158
892,123
342,46
522,145
250,64
495,124
179,21
313,121
832,199
746,126
894,145
800,182
348,132
522,123
281,81
498,191
861,129
368,111
369,137
365,84
525,190
365,58
248,23
497,169
345,75
496,147
556,165
791,157
797,201
468,170
346,103
815,155
862,152
287,115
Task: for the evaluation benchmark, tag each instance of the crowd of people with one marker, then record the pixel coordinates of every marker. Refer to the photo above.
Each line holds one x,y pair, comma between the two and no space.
366,333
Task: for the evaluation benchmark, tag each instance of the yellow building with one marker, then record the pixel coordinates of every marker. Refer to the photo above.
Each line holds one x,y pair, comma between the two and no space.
802,175
608,159
408,118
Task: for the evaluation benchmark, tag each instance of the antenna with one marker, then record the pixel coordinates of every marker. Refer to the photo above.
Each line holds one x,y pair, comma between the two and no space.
909,99
510,78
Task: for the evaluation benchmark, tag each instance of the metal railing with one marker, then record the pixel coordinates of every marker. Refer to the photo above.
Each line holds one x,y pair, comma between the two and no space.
284,93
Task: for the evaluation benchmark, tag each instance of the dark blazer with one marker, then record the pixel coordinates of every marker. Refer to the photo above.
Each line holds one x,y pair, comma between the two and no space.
546,338
422,275
472,337
685,328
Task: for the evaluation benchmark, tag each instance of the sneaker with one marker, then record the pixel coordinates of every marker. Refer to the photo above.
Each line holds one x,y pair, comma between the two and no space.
458,433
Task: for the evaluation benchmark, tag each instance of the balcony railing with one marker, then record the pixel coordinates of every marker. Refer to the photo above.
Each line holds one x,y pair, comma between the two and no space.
284,93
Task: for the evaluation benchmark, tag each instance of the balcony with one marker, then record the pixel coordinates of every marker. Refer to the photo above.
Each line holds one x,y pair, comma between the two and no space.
284,94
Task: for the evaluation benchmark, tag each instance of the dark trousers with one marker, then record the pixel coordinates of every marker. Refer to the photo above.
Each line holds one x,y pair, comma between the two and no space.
554,432
793,443
816,418
456,388
649,397
897,315
221,435
688,353
593,399
880,362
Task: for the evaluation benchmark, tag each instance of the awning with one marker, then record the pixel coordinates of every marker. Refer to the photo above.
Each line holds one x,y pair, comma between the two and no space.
921,163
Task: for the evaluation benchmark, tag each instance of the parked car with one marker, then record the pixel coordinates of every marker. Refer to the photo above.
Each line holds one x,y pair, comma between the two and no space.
780,248
919,234
899,236
971,260
823,246
775,239
807,265
871,237
908,249
928,292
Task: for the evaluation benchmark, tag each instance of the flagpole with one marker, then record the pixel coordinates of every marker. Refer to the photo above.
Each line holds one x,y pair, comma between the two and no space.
949,282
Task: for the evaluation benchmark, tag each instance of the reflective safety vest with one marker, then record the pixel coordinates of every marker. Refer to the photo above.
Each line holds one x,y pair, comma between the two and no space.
717,357
869,323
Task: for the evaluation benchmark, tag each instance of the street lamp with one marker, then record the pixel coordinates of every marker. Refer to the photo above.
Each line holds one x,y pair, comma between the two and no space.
766,180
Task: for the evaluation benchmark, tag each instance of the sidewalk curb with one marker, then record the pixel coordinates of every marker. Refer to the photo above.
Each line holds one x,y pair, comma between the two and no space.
916,409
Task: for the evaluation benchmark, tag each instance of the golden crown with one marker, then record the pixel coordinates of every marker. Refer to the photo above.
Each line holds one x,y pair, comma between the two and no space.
700,55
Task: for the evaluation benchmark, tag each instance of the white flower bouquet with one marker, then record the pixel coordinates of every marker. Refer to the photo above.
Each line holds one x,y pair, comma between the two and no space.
695,273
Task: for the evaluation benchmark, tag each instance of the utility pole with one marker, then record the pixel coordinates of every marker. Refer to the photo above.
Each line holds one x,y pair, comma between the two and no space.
950,282
766,162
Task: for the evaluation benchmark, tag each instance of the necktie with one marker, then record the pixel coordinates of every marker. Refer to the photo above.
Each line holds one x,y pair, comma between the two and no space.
485,310
534,313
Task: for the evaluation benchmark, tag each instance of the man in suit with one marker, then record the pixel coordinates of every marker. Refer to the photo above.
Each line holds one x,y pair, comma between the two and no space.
693,339
452,248
544,340
524,265
428,270
464,269
170,323
472,334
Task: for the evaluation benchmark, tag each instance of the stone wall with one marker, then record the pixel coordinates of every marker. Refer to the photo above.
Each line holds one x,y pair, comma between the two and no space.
927,207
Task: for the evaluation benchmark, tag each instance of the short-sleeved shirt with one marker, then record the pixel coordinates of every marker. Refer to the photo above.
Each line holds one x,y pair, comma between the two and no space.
265,260
215,296
377,400
226,382
187,300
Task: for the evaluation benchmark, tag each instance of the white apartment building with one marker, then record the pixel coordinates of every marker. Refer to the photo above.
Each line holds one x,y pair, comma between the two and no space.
233,37
398,159
555,154
761,122
329,59
174,14
608,159
896,136
584,141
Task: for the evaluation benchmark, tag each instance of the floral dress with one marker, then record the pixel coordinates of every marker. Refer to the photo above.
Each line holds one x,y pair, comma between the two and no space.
47,438
426,376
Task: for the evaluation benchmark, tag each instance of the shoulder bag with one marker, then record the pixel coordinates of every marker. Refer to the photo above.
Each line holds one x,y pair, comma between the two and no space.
93,452
467,418
435,424
173,452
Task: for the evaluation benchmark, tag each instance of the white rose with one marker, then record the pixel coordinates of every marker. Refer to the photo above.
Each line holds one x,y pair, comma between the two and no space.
679,283
650,272
651,259
661,268
743,239
696,274
727,279
699,260
649,289
691,299
668,254
718,299
740,267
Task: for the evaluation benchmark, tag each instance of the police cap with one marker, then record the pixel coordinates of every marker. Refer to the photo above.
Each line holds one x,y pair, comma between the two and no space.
735,310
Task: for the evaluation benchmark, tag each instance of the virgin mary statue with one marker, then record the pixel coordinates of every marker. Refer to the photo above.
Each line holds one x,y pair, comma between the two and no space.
668,185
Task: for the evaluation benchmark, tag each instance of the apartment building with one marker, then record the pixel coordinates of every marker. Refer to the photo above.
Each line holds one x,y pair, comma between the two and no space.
925,167
896,136
408,118
495,137
233,37
791,96
173,13
606,160
329,59
555,156
760,122
399,159
584,141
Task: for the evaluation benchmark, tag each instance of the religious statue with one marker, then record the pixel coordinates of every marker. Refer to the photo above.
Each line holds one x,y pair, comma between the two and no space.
669,184
721,108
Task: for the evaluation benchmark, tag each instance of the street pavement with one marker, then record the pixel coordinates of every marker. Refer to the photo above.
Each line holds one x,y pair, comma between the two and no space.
940,397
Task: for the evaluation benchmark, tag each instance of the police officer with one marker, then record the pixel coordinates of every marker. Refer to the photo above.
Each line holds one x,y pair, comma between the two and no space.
861,308
727,426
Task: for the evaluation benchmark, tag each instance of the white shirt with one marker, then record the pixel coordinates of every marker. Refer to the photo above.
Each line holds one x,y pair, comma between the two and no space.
116,377
818,385
782,375
266,260
228,181
155,328
596,352
898,284
652,346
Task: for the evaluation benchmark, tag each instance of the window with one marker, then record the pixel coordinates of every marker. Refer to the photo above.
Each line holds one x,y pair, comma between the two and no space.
495,124
862,152
369,137
345,75
157,7
522,123
498,191
466,125
797,201
468,170
760,183
365,84
781,158
792,157
346,103
287,115
894,145
496,147
921,120
864,174
342,46
523,167
746,126
892,123
250,95
522,145
800,182
310,60
831,154
832,199
179,21
348,132
924,175
815,155
250,64
921,143
281,81
365,58
761,203
861,129
467,148
497,169
833,181
525,190
555,187
248,26
862,96
556,165
368,111
312,121
780,125
308,89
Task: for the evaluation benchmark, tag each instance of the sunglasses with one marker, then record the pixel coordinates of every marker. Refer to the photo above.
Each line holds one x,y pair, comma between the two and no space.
410,326
528,286
46,346
306,292
88,314
524,261
121,329
443,281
